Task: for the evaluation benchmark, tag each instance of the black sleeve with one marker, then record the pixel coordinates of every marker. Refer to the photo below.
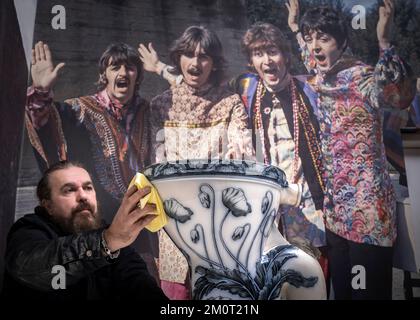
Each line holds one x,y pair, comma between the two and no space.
33,251
132,279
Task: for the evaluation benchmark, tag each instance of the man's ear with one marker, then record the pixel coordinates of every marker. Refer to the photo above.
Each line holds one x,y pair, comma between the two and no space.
46,204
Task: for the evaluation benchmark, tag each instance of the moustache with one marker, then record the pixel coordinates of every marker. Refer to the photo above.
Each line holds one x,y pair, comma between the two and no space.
82,206
194,71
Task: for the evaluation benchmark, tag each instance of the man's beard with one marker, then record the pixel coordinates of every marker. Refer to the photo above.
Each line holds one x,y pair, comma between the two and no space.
78,222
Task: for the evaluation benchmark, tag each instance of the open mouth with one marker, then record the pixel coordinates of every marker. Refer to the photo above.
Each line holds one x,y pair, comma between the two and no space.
321,58
122,83
271,74
270,71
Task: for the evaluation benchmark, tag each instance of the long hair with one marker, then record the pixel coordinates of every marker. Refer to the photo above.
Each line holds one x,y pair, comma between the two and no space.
263,36
208,41
326,20
118,54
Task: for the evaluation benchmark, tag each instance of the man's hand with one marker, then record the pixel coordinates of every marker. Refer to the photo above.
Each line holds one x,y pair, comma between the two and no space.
384,27
129,220
43,72
150,59
293,18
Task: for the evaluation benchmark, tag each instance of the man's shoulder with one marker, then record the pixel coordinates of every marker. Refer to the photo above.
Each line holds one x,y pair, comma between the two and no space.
248,75
88,99
29,220
246,78
32,221
164,98
226,94
354,67
245,83
141,105
302,78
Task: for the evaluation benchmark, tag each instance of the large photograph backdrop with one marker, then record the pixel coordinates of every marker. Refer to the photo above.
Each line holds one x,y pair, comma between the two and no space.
90,26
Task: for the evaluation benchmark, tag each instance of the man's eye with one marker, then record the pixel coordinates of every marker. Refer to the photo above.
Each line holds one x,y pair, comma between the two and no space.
189,54
258,53
89,188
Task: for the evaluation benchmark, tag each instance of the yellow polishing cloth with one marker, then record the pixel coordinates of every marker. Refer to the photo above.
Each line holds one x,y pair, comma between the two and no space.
160,221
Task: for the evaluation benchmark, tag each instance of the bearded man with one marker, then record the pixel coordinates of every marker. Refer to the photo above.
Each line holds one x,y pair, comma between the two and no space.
66,233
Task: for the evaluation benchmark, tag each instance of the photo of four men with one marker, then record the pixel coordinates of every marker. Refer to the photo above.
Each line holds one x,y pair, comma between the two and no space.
297,91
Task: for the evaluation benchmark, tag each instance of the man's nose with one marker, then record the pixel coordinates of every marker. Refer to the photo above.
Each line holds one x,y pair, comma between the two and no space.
194,61
266,58
315,45
122,70
81,195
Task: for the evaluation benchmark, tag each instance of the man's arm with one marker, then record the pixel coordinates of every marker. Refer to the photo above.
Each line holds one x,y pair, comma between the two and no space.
33,250
157,132
44,75
293,22
239,136
43,119
151,63
31,254
393,83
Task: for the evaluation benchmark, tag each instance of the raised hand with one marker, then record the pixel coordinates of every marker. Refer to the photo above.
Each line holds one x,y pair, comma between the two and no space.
384,27
129,219
293,18
150,59
43,72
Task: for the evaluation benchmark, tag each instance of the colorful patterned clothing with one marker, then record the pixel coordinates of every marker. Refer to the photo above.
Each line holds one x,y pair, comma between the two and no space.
188,123
302,225
360,201
112,146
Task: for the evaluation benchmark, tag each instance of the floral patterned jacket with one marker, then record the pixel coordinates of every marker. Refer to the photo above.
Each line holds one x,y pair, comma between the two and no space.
352,96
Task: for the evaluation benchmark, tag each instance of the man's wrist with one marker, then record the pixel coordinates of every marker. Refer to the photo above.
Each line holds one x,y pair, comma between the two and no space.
41,90
109,252
294,27
383,45
160,68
